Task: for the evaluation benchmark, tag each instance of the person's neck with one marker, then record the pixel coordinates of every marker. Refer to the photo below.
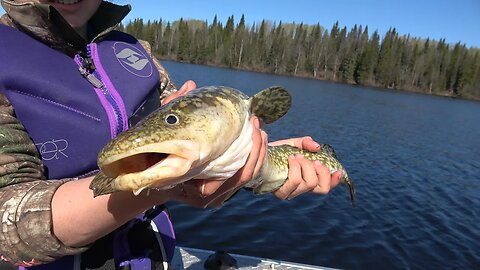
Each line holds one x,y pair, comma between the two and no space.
82,31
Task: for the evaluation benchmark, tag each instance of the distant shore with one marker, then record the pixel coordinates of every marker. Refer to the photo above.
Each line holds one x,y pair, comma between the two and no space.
445,94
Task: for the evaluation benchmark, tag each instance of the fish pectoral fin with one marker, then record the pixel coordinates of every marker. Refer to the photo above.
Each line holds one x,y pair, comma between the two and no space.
271,103
102,184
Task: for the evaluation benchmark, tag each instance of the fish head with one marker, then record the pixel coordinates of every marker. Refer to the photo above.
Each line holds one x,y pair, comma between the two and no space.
174,143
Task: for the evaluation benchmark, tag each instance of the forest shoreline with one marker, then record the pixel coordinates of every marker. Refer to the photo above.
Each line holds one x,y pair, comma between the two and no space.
307,76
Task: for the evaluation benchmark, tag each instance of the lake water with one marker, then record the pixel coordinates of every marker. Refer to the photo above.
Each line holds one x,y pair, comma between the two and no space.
415,162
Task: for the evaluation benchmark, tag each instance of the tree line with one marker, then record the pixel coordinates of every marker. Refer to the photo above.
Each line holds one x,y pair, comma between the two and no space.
337,54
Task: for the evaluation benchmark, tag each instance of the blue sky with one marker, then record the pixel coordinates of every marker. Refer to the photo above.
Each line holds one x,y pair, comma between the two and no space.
454,20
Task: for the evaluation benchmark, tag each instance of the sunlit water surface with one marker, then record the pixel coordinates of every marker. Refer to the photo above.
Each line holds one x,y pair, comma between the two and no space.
415,162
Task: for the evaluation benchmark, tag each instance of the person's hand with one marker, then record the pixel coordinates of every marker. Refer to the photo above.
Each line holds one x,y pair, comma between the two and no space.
213,193
305,175
186,87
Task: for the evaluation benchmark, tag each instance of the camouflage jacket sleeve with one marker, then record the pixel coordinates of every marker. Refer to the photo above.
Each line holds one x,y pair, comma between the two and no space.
166,86
25,197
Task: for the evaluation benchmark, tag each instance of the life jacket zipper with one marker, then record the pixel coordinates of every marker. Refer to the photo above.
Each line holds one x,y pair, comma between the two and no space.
88,70
91,78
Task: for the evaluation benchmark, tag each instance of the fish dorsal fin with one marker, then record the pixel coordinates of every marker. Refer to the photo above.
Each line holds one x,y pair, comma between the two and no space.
271,103
327,148
102,184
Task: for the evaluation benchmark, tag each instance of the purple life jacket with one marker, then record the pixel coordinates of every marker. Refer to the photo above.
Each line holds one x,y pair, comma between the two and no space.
72,107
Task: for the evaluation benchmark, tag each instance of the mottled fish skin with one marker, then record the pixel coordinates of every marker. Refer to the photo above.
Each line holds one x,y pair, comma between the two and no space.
213,124
274,172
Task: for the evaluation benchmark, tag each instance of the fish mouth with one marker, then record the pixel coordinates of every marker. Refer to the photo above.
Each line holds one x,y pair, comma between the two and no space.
159,165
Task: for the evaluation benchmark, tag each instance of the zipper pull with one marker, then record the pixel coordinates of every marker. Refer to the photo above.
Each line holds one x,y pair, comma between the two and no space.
87,61
90,78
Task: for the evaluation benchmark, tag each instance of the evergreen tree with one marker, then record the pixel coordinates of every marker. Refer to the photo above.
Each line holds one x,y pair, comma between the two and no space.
260,44
167,41
227,43
240,40
183,52
315,49
363,73
466,72
453,73
386,60
214,40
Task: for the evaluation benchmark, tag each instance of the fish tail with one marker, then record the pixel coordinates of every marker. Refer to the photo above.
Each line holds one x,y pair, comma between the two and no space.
346,180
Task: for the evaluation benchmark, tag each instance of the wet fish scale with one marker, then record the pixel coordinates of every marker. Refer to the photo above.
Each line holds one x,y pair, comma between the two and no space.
274,172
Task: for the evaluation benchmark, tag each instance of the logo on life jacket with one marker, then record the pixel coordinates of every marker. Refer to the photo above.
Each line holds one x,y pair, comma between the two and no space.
132,59
53,149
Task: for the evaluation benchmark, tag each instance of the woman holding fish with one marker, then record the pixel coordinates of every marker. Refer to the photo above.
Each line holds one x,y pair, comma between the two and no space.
69,83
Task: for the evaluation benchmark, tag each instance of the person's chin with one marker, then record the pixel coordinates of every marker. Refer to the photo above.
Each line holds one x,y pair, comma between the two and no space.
67,9
65,2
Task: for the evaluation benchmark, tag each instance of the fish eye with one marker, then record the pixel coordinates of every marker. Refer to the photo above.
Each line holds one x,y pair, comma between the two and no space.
171,119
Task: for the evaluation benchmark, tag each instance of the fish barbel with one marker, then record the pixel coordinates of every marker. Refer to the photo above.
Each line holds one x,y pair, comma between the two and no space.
205,134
